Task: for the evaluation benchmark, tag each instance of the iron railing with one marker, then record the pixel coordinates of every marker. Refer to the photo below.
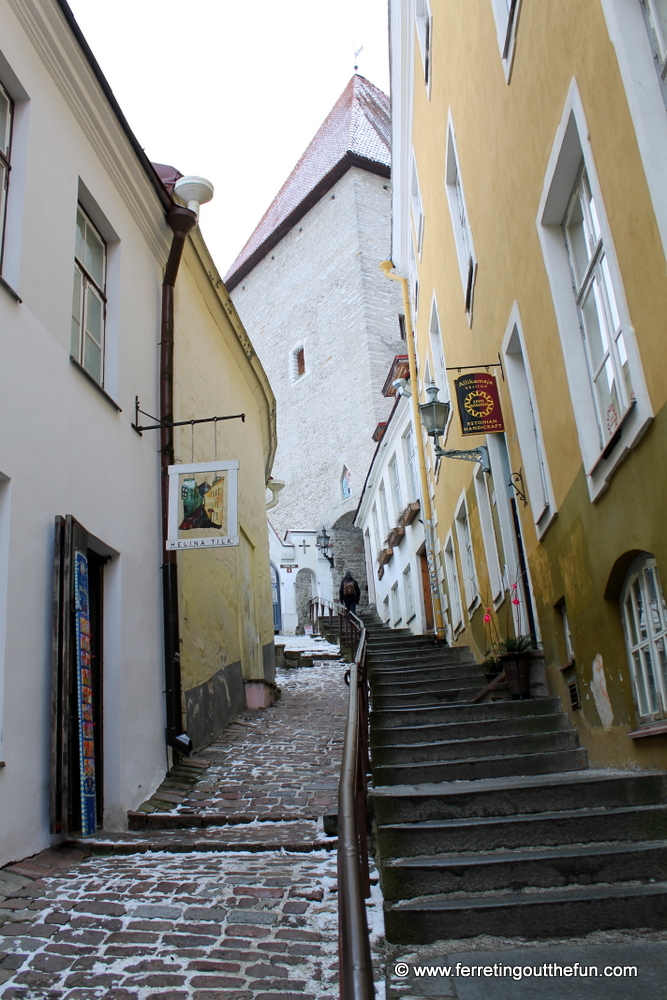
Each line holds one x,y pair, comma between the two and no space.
354,953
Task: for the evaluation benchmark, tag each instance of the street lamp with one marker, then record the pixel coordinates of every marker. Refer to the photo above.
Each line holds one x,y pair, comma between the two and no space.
434,416
323,543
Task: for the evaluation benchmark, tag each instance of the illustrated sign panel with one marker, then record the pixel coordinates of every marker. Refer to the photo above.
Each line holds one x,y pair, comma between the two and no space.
84,684
479,404
203,505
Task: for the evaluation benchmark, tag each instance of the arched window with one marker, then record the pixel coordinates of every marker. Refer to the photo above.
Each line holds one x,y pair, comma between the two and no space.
346,484
645,624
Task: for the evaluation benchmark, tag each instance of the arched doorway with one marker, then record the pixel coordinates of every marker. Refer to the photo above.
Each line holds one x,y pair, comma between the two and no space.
304,591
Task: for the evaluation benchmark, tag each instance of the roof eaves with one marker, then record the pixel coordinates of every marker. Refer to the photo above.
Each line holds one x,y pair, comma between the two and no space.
350,159
156,182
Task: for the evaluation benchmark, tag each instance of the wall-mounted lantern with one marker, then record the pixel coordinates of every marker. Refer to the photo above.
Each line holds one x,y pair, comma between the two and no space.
434,416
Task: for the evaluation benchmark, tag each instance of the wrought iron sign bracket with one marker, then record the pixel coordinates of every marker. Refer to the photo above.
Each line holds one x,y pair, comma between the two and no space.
517,477
175,423
466,368
480,455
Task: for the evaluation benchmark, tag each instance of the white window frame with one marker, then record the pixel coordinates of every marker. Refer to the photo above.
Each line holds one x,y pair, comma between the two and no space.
644,651
488,536
657,35
88,284
376,529
385,609
395,481
410,457
453,588
506,14
5,166
396,611
438,355
465,247
537,477
417,208
571,146
294,363
408,590
467,554
646,97
344,479
384,510
424,28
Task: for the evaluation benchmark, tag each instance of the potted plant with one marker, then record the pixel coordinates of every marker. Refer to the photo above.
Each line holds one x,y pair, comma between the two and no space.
515,656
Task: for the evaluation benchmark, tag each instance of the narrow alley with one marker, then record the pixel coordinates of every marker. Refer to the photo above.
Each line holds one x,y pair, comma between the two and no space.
228,889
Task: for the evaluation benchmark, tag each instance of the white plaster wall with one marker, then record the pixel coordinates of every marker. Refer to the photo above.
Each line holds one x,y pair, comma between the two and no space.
405,554
289,556
322,288
65,449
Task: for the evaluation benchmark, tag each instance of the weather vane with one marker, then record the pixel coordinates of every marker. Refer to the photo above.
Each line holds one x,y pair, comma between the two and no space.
355,57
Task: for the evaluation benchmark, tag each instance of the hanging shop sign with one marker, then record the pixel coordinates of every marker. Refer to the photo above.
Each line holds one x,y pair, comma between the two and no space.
203,505
84,686
479,404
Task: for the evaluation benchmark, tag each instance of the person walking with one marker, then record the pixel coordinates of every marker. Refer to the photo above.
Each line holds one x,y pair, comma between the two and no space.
349,592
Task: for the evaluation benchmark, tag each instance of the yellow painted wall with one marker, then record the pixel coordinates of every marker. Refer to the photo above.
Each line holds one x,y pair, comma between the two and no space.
225,595
504,136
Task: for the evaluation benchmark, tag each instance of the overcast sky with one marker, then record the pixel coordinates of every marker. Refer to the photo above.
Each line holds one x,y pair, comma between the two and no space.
233,91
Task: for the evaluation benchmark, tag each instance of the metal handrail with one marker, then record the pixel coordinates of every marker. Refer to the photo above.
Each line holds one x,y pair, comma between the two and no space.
354,952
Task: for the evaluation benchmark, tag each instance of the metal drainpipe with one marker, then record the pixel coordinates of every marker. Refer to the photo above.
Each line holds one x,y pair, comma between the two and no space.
386,267
181,221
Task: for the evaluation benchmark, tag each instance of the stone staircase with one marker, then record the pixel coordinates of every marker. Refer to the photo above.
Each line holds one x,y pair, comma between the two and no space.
488,818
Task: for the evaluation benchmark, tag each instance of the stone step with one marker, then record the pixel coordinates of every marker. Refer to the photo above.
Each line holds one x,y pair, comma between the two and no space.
442,714
547,913
414,678
443,679
486,767
536,868
545,829
463,689
380,660
513,726
516,795
377,651
481,747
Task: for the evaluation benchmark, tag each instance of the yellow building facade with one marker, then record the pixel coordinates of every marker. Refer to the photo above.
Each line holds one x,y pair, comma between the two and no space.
530,219
227,656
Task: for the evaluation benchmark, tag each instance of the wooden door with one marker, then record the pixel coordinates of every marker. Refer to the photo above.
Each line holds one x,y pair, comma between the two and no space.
76,663
426,592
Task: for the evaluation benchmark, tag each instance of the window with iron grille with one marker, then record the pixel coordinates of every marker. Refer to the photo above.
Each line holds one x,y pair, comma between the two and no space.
89,298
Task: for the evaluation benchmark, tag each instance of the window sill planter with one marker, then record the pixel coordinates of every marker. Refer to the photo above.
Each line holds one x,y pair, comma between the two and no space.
409,514
517,672
385,555
395,537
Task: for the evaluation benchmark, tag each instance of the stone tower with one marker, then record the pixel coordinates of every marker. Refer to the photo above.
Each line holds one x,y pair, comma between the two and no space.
325,322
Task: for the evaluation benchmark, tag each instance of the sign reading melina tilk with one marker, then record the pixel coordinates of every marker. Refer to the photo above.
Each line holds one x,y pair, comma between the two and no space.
479,404
203,511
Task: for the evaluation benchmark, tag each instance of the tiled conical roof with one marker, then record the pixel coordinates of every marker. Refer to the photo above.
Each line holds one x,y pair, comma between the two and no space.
356,132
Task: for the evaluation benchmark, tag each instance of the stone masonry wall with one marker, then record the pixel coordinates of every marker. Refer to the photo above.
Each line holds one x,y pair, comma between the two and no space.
321,289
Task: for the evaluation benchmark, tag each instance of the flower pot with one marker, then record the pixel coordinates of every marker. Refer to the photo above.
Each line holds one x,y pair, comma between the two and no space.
517,673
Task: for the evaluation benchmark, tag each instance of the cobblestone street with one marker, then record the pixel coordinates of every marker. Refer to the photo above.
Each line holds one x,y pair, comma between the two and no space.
226,888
